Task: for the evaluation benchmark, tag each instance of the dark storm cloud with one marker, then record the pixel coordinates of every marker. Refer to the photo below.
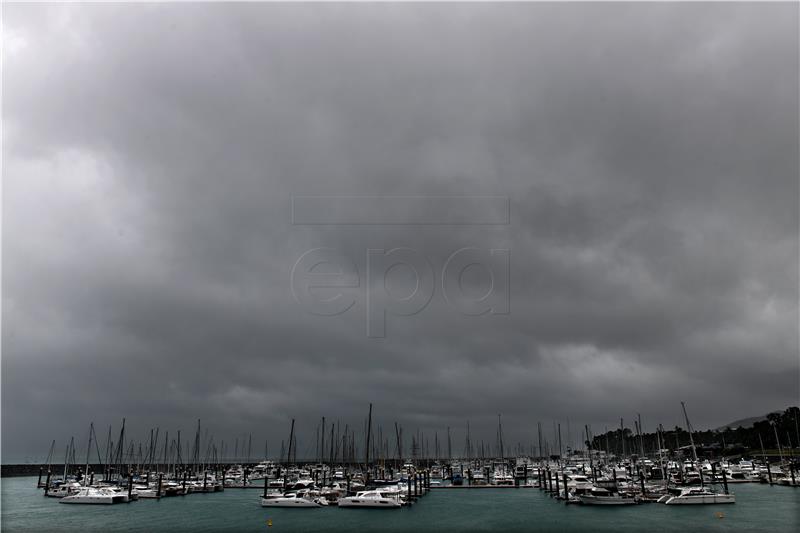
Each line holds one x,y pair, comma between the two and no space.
150,153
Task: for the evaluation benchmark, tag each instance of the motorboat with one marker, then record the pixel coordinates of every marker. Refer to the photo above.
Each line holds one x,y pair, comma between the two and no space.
93,495
60,489
477,478
579,483
740,476
600,496
145,491
302,483
502,479
372,499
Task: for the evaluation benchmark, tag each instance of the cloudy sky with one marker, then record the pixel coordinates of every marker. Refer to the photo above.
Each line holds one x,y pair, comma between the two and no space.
649,155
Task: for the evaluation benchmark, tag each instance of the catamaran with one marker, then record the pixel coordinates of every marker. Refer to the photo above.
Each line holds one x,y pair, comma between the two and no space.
95,495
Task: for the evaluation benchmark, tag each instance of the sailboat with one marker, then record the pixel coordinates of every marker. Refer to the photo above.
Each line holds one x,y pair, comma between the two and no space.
695,495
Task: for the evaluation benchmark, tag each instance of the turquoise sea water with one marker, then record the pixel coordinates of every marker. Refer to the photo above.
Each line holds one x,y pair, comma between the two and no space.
758,508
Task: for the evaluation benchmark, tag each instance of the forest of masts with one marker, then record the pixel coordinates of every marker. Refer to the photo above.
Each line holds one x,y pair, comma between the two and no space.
340,444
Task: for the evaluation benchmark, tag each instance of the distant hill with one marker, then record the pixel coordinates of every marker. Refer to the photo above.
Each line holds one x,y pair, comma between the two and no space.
745,422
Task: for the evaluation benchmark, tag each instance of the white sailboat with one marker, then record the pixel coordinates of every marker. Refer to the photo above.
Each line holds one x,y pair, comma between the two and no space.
696,496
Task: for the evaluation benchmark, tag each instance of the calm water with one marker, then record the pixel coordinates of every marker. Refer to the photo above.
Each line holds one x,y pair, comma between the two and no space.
758,508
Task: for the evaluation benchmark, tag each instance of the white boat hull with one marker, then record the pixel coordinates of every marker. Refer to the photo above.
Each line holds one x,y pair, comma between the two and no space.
289,502
701,499
94,498
373,503
588,499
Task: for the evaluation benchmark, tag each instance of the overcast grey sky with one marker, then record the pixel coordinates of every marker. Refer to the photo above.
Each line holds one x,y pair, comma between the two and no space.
150,154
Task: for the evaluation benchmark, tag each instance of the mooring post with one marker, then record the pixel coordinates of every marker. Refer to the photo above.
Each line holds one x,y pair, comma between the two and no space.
725,481
184,482
566,491
47,484
158,492
641,479
130,486
205,480
39,481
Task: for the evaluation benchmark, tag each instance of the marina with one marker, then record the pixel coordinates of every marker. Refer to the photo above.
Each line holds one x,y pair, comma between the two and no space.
345,480
758,508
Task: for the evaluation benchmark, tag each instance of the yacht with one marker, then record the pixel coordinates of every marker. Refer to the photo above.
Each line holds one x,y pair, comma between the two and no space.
502,479
695,496
293,499
59,489
600,496
739,476
302,483
145,491
95,495
478,478
373,499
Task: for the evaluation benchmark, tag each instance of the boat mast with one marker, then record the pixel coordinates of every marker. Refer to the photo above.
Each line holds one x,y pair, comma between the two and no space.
775,429
689,429
449,447
366,446
500,437
691,441
66,462
291,438
88,451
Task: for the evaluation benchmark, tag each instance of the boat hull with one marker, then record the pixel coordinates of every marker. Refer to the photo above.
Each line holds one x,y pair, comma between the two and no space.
372,503
588,499
701,499
289,502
